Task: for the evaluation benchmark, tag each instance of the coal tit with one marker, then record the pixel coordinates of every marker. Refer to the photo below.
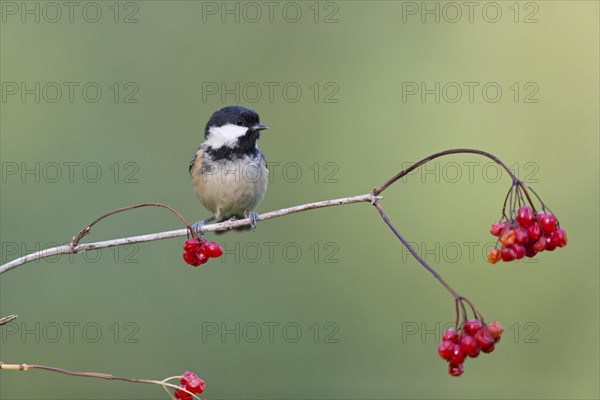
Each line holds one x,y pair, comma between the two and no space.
229,172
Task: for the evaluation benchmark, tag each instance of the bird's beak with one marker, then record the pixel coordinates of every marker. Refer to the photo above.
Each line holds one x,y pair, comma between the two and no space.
259,127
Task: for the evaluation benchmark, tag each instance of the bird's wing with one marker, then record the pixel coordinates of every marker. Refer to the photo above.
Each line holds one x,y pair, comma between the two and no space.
264,160
197,158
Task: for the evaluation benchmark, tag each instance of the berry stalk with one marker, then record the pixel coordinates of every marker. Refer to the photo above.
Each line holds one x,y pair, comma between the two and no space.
420,259
424,161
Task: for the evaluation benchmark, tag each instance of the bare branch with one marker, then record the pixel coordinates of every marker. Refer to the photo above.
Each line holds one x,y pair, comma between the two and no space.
7,319
99,375
222,226
373,197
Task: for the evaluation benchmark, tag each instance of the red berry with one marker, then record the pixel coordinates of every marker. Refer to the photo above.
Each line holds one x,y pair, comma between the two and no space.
213,249
456,369
508,237
547,222
525,216
559,237
554,239
534,232
445,349
519,251
181,395
187,376
190,258
494,256
196,386
468,345
530,251
192,245
521,235
201,256
450,335
495,330
192,383
563,236
540,245
488,349
484,339
508,253
550,245
497,228
457,356
472,326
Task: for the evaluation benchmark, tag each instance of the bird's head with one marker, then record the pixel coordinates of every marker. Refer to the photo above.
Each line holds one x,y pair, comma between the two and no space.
234,127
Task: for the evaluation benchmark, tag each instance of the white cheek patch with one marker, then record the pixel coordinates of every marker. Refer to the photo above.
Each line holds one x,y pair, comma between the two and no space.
226,135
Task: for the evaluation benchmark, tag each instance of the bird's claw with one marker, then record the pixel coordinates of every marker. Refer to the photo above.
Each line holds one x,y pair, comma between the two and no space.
253,220
197,226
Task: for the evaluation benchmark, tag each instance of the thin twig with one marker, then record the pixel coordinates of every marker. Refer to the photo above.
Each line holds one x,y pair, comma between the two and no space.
414,252
7,319
416,165
85,231
222,226
98,375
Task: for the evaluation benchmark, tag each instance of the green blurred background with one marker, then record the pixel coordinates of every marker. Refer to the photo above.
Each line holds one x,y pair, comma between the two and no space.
351,314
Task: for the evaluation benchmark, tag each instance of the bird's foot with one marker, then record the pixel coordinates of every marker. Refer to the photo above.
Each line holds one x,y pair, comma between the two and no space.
253,220
197,226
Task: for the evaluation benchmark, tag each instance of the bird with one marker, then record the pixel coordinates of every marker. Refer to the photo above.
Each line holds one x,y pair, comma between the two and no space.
229,172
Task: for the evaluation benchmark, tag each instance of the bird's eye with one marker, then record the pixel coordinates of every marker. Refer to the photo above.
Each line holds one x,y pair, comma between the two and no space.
239,122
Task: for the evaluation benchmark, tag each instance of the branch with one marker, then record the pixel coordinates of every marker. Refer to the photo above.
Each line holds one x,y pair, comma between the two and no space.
99,375
424,161
7,319
373,197
414,252
222,226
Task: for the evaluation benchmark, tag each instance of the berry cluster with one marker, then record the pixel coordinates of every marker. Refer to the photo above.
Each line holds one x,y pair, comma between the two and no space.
473,338
190,382
197,251
526,236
